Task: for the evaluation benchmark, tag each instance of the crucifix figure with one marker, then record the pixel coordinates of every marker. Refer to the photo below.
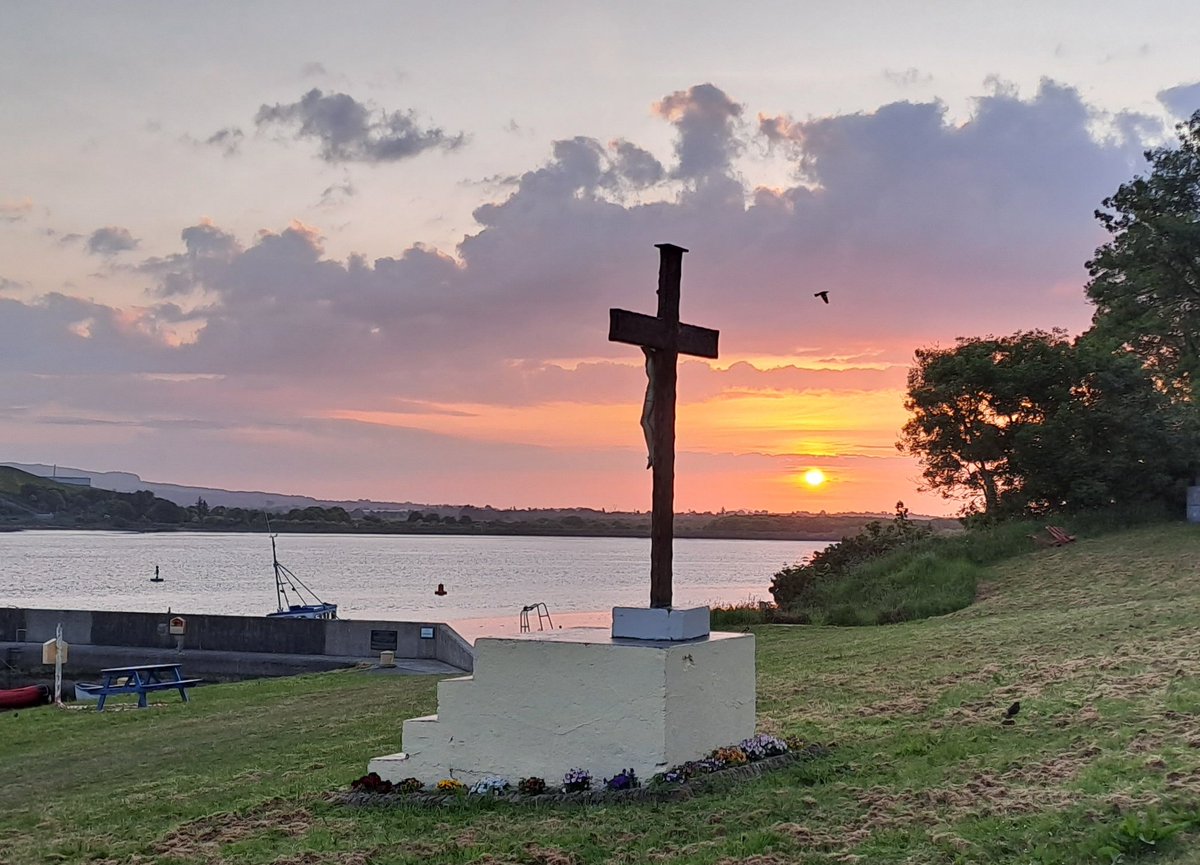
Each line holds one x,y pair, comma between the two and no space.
663,338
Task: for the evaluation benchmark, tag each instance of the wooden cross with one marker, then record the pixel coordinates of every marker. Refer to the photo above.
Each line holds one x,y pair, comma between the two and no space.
663,338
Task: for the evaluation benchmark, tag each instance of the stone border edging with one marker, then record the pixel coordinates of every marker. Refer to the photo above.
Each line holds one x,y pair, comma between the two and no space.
673,793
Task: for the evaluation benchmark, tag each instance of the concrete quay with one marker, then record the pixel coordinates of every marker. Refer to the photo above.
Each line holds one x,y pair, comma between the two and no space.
225,648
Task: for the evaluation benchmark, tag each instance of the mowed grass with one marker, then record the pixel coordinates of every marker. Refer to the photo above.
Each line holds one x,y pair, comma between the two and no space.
1099,641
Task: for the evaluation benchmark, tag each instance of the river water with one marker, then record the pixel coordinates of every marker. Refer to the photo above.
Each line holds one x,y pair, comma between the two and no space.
488,579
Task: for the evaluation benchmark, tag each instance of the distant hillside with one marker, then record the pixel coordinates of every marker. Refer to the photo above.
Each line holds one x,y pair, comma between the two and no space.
183,495
30,501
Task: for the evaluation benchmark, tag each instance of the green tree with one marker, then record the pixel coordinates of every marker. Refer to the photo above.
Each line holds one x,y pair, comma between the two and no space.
53,501
1033,422
163,511
969,401
1119,438
1145,281
121,510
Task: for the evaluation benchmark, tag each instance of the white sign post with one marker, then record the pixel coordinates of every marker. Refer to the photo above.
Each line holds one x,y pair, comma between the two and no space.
59,652
55,652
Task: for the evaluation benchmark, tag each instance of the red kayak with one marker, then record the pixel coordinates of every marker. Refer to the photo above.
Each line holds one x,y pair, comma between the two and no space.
20,698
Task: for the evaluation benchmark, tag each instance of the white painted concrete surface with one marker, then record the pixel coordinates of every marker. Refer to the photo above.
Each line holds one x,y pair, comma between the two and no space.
545,703
646,623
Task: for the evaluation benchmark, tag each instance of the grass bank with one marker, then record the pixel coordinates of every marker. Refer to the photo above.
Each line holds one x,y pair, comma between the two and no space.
924,577
1099,641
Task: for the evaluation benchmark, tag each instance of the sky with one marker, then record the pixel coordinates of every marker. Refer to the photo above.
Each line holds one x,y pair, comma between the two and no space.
368,249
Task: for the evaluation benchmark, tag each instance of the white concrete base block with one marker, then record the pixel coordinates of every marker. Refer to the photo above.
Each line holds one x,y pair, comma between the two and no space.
542,704
665,623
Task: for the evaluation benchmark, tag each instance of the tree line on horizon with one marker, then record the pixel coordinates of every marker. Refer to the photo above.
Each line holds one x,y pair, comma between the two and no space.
30,501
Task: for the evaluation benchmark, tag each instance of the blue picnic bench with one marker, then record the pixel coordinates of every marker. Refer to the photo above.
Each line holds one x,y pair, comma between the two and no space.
143,680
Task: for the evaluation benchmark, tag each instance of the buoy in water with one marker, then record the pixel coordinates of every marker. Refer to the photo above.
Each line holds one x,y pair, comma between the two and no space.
441,590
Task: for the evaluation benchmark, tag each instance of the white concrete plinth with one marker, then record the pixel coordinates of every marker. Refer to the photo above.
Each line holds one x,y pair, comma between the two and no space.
664,623
542,704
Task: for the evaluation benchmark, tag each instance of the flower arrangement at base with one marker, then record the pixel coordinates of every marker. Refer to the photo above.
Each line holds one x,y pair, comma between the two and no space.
626,779
531,786
757,747
490,786
410,785
761,746
450,785
371,783
730,755
669,778
576,781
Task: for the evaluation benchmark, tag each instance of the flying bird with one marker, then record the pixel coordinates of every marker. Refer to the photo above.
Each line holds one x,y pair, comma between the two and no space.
824,295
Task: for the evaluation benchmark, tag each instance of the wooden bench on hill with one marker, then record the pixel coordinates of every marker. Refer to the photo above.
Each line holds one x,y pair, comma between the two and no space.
1059,536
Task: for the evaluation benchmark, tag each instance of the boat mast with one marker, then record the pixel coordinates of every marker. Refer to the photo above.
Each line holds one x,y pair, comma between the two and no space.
280,596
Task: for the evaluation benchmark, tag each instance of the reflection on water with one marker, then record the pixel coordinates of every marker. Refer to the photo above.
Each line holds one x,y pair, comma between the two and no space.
379,576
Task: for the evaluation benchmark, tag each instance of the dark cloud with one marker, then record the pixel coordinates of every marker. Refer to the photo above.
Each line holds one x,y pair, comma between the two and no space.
110,240
636,165
336,193
584,166
352,131
1182,100
312,69
206,247
10,284
706,121
228,139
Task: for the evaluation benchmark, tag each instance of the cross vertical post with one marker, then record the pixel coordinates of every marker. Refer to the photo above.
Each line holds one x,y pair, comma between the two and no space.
663,338
662,512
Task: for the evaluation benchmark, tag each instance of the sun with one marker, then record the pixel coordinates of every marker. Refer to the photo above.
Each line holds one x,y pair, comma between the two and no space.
814,477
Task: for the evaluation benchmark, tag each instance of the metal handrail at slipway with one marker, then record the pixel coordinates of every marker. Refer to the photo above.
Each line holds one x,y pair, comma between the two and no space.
543,613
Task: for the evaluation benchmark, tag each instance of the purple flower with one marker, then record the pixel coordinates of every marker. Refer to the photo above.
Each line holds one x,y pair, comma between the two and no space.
623,780
761,746
576,780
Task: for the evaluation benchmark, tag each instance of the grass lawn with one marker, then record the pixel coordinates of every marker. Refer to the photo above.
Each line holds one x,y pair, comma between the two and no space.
1100,642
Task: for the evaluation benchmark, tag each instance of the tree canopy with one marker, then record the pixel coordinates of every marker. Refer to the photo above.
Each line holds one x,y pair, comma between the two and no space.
1035,422
1145,281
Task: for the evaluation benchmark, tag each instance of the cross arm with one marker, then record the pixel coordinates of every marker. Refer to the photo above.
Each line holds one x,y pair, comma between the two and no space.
636,328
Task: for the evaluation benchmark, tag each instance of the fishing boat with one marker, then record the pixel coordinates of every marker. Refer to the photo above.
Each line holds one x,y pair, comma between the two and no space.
296,600
20,698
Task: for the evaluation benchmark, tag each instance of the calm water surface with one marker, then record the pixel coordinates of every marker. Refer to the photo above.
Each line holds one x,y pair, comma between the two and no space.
376,576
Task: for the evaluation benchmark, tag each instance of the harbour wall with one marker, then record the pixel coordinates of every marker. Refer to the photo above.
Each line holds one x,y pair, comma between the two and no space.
308,644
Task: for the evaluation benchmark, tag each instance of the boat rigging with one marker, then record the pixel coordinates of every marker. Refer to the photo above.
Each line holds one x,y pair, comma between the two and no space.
295,599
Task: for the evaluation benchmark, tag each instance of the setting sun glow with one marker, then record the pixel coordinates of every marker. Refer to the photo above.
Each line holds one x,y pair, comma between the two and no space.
814,477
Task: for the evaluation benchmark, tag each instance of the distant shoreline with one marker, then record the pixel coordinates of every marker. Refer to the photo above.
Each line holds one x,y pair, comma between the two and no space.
284,528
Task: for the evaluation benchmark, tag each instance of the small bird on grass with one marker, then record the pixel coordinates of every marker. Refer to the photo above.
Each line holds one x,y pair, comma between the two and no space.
824,295
1010,713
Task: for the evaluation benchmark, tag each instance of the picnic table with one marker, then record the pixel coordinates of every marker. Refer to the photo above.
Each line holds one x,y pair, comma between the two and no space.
142,680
